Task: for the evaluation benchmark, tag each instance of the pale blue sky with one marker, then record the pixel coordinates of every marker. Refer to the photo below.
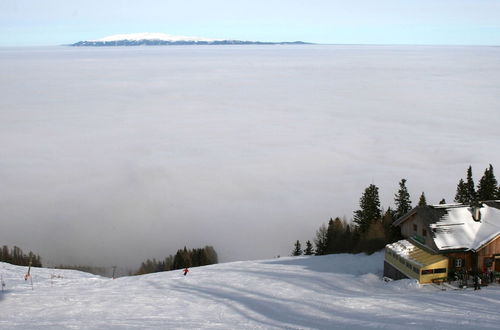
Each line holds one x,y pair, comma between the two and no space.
52,22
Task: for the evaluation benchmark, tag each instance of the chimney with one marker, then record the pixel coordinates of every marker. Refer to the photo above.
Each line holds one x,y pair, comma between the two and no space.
476,211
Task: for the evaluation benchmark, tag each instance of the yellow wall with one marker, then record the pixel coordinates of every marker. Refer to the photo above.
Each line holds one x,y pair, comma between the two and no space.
429,277
414,271
401,266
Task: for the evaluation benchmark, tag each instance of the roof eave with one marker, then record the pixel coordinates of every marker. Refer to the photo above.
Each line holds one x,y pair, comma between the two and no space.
455,250
422,246
405,217
486,242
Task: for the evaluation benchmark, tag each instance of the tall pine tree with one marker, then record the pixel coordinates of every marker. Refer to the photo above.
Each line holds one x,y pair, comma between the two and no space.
369,211
461,195
297,249
466,191
335,233
422,201
402,199
309,249
348,239
487,188
321,240
471,190
392,233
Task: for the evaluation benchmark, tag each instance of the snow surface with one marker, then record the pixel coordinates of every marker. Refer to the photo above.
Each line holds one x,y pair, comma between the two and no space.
152,36
404,249
458,230
328,292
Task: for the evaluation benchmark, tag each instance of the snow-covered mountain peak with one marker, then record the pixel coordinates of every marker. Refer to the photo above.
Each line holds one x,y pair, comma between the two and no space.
152,36
160,39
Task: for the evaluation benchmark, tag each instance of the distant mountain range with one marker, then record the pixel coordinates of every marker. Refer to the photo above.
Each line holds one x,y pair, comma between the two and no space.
155,39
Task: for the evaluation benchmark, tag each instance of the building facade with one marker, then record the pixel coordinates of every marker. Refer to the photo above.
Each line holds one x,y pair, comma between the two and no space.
467,236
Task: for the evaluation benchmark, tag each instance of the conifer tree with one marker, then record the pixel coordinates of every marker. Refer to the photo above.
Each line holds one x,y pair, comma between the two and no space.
392,233
422,201
335,233
369,211
348,240
168,263
182,259
6,257
471,190
195,257
321,240
297,250
442,201
487,188
16,256
309,249
213,258
402,199
461,195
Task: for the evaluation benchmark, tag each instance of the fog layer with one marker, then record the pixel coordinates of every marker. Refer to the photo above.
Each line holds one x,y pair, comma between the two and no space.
110,156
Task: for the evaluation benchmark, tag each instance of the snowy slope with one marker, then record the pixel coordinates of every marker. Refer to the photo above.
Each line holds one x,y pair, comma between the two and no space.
329,292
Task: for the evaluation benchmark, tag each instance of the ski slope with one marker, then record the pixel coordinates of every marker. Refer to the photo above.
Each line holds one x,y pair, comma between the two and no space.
328,292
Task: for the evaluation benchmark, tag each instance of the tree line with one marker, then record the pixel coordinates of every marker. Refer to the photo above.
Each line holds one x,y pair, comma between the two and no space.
16,256
487,188
371,227
182,259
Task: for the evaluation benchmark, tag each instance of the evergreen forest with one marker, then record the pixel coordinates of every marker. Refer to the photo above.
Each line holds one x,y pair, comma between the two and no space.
182,259
16,256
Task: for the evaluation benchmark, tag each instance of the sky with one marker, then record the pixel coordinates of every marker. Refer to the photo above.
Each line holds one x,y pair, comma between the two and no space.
444,22
115,155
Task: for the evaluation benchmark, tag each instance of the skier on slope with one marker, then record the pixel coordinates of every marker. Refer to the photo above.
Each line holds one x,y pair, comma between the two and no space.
186,270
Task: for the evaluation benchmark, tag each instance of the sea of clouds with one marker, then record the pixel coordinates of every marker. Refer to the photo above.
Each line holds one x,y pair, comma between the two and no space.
115,155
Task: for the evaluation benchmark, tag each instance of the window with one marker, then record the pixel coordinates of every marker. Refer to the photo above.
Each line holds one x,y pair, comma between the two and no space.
415,227
424,232
433,271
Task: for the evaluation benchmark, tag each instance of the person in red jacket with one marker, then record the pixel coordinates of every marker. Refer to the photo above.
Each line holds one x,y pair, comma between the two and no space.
186,271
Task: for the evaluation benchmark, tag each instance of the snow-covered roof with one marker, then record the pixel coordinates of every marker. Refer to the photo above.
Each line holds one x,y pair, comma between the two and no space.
457,229
414,254
446,206
404,249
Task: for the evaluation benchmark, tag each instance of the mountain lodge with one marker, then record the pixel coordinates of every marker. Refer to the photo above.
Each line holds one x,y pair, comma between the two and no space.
441,240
